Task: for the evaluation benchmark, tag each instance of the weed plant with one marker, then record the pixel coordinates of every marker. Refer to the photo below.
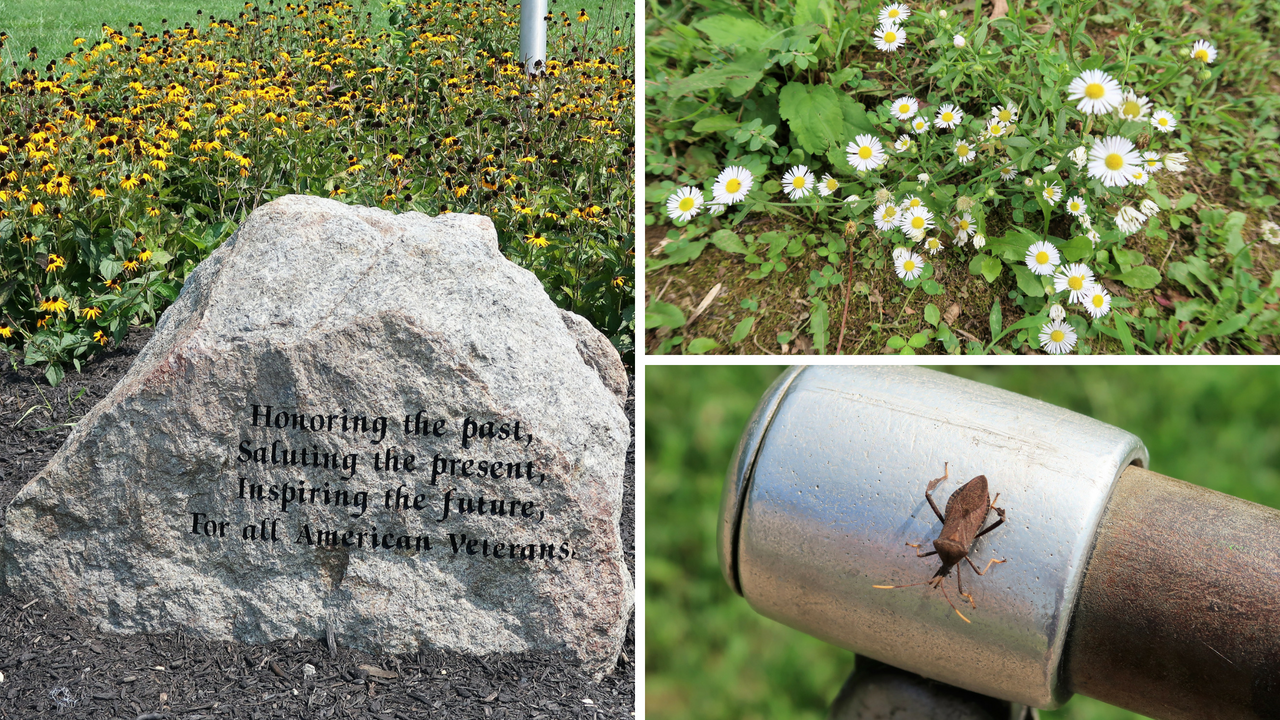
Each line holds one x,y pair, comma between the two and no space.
1044,160
125,163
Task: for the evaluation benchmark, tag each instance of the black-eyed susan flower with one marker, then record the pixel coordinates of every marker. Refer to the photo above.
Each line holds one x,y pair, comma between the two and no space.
55,262
91,312
537,239
53,304
101,338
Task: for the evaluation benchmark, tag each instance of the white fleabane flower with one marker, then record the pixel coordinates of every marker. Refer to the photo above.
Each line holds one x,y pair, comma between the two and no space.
905,107
886,217
865,153
1163,121
995,129
1097,92
889,38
1005,113
852,199
1074,278
1057,337
903,144
958,41
1057,313
1093,236
1113,161
1148,207
894,13
1080,156
964,152
684,203
1204,51
1270,232
933,245
910,201
916,222
798,182
1008,172
979,240
1076,206
908,265
1151,161
964,225
732,185
1139,177
919,125
1051,194
828,185
1129,220
1096,301
949,116
1133,107
923,178
1042,257
1086,221
1175,162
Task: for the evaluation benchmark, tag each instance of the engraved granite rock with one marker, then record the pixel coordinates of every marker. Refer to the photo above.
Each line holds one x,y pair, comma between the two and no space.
353,421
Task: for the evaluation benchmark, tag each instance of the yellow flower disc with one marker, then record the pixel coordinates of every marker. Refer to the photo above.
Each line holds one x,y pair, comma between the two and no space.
908,266
1093,91
1075,283
1131,109
1057,336
686,204
1202,55
1096,300
890,37
798,183
903,109
1042,257
917,222
864,152
1114,161
946,117
1005,116
733,186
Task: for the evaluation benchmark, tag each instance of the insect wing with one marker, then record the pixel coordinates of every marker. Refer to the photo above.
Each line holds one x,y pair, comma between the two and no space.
966,510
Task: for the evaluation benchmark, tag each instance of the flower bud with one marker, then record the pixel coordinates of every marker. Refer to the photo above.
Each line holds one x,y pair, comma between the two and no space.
979,241
1057,313
958,41
942,14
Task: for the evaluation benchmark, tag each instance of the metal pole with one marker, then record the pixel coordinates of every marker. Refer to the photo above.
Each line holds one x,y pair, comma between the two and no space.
533,35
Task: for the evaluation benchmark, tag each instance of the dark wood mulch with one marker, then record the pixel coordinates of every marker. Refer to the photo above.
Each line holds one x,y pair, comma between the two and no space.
55,665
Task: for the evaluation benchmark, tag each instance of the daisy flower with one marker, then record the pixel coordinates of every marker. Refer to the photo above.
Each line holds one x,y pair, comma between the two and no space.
1097,92
1151,161
732,185
865,153
964,226
1076,206
1175,162
894,13
852,199
1076,277
1129,220
908,265
916,222
995,129
1057,337
1204,51
890,37
1148,207
828,185
958,41
1057,313
1005,113
901,252
798,182
903,144
1139,177
1133,107
949,116
964,153
933,245
1042,257
1008,172
1163,121
1096,301
905,107
979,241
684,203
919,125
886,217
1051,193
1113,161
911,201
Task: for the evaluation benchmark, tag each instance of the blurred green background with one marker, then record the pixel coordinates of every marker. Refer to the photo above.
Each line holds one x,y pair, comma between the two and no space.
708,655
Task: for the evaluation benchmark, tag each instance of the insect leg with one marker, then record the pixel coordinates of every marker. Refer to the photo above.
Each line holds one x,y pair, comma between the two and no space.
960,588
983,571
917,547
895,587
996,524
943,588
928,493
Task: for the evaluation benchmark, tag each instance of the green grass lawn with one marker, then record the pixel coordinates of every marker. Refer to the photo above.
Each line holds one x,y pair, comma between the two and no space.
708,655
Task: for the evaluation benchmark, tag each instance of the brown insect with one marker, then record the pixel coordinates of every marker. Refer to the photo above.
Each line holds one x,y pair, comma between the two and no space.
967,509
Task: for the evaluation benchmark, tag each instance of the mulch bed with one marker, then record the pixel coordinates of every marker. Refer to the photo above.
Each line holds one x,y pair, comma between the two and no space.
56,665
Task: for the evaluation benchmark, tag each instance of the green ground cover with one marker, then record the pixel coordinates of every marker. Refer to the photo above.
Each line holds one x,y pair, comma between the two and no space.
708,655
1184,256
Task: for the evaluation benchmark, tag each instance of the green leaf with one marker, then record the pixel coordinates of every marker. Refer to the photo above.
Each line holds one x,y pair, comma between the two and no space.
729,30
701,345
166,291
814,114
1230,326
991,268
1143,277
931,287
1186,201
738,76
54,373
814,11
818,322
1158,196
678,253
996,320
1028,282
728,241
716,123
931,314
660,314
110,268
1233,227
896,343
1077,248
918,340
1122,327
855,118
741,331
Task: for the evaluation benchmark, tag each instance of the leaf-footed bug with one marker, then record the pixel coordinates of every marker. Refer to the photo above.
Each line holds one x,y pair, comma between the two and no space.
967,509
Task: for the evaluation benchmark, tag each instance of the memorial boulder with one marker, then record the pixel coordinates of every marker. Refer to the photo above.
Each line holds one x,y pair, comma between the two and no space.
355,422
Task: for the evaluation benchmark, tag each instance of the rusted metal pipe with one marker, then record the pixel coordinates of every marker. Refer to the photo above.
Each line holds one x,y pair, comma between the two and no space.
1178,617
